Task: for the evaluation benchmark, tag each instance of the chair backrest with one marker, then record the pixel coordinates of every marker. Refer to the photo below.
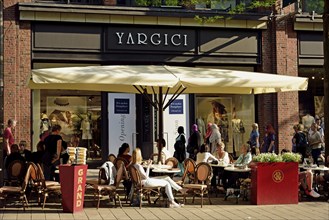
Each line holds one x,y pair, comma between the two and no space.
172,161
16,170
35,177
203,173
189,166
135,177
120,160
102,176
41,176
27,178
119,176
111,158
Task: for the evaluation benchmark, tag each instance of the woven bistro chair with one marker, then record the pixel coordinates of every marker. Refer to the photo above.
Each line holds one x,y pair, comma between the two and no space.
201,183
5,191
107,189
15,172
47,187
172,161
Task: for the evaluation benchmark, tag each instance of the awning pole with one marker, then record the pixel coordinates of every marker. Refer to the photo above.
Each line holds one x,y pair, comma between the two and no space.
160,105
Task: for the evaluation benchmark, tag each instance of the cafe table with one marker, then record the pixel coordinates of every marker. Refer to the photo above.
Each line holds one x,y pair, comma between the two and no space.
241,173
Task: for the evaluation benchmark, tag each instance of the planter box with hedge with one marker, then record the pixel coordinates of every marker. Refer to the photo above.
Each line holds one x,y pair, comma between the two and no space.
274,179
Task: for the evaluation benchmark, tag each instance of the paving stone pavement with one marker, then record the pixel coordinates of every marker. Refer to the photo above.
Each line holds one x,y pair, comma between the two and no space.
220,209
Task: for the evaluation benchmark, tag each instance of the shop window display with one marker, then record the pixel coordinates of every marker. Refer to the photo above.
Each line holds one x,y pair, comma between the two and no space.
233,114
78,115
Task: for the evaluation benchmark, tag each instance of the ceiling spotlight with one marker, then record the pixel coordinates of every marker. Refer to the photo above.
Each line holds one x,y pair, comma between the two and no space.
322,78
313,77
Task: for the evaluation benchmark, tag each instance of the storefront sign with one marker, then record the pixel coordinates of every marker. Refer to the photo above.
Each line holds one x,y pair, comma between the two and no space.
176,107
151,39
80,188
155,39
121,106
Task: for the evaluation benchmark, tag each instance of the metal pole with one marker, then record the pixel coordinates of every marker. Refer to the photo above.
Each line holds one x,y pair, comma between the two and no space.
160,100
326,74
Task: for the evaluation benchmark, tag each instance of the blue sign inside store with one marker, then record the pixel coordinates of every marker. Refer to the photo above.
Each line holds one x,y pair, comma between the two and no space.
176,107
121,106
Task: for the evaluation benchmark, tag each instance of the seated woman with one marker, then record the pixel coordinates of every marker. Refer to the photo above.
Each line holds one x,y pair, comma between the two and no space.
245,156
230,178
222,156
124,152
147,181
204,155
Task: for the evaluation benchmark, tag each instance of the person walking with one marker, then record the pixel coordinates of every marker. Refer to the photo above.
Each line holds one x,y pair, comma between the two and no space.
194,142
8,137
268,144
254,139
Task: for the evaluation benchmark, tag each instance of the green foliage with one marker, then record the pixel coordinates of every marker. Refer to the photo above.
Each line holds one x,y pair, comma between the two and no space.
171,2
272,157
315,5
148,3
291,157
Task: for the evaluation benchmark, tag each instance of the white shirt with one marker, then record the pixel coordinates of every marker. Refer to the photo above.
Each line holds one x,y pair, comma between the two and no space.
166,153
225,158
204,157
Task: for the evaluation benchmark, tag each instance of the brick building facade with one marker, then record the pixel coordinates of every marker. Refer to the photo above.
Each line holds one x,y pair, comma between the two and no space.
279,55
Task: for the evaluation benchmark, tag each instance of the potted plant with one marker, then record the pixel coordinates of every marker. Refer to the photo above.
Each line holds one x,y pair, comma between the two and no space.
274,179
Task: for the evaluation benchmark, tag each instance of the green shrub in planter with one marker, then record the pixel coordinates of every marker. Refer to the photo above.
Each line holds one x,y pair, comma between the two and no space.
291,157
272,157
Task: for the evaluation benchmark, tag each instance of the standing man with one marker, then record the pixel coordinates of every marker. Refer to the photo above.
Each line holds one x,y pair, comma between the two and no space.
9,137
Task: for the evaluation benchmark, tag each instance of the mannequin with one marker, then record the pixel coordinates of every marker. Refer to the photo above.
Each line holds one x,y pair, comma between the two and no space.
85,127
307,121
237,135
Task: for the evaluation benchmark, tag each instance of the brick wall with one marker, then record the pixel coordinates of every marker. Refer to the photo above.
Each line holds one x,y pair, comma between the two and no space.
287,64
17,66
279,109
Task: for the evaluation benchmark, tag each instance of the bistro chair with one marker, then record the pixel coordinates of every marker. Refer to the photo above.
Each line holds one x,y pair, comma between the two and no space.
172,161
5,191
15,172
106,189
201,183
141,190
47,187
185,174
190,166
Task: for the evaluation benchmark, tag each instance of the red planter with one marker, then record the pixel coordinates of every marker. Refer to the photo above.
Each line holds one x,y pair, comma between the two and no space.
73,181
274,183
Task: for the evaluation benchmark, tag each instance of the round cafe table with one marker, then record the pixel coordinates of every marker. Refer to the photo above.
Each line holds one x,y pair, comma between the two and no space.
240,173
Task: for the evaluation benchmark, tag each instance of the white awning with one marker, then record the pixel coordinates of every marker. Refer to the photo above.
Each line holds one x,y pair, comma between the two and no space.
123,78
